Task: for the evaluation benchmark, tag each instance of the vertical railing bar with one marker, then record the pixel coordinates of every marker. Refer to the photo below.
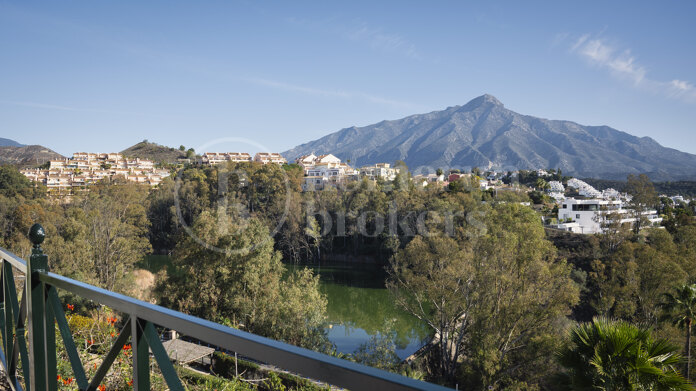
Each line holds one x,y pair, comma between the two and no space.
17,315
51,352
3,362
9,316
111,356
162,358
20,343
13,382
141,356
2,307
68,341
6,329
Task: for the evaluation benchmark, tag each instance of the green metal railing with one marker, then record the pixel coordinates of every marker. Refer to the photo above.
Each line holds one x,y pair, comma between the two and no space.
40,309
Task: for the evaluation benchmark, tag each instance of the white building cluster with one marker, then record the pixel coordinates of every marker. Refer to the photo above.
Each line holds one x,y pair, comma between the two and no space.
556,187
379,170
212,158
583,188
324,170
65,175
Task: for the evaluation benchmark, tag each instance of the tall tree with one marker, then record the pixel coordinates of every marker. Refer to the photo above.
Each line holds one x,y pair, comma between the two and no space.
680,308
433,278
643,197
486,294
103,235
230,273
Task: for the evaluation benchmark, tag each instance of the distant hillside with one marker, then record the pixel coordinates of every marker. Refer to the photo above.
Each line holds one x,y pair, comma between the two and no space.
155,152
483,133
6,142
27,156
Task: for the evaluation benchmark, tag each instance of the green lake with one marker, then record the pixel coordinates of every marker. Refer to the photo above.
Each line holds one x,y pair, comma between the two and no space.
360,307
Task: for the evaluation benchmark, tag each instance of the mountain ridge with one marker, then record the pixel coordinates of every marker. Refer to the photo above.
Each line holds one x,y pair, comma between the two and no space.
483,133
27,155
6,142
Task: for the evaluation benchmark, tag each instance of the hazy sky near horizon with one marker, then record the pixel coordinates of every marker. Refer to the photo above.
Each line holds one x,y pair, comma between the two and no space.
101,76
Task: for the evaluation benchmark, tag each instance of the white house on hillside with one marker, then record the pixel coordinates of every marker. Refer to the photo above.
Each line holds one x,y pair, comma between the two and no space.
306,160
379,170
587,216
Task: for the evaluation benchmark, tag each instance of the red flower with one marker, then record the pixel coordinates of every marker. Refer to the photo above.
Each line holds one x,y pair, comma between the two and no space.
130,382
71,307
102,388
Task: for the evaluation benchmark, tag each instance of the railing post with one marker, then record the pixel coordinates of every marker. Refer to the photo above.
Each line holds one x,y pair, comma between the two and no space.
36,315
141,355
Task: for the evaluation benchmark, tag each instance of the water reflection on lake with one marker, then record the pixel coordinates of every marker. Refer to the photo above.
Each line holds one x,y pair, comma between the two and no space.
360,307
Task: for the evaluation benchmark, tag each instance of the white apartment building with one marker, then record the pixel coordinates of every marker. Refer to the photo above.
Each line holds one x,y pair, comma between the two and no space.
269,157
379,170
556,187
306,160
212,158
583,188
327,159
314,182
587,216
324,170
610,193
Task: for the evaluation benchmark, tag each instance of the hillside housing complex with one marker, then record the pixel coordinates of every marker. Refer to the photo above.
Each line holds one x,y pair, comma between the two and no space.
65,175
320,171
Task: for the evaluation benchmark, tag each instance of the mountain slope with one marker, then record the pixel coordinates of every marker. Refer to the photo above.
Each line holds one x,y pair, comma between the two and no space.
483,133
27,156
6,142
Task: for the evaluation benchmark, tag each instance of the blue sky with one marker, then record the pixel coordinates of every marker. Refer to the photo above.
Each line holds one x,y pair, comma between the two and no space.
100,76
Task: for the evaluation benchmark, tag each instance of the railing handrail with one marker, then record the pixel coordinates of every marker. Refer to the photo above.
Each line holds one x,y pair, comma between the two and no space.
14,260
305,362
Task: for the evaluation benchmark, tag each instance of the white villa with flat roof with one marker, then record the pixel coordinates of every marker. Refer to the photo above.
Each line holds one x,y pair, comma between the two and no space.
587,216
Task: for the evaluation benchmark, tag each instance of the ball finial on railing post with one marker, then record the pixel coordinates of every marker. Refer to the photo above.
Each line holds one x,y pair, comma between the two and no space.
37,235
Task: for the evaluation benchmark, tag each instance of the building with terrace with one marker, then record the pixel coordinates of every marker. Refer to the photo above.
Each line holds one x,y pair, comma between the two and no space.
379,170
269,157
588,216
212,158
